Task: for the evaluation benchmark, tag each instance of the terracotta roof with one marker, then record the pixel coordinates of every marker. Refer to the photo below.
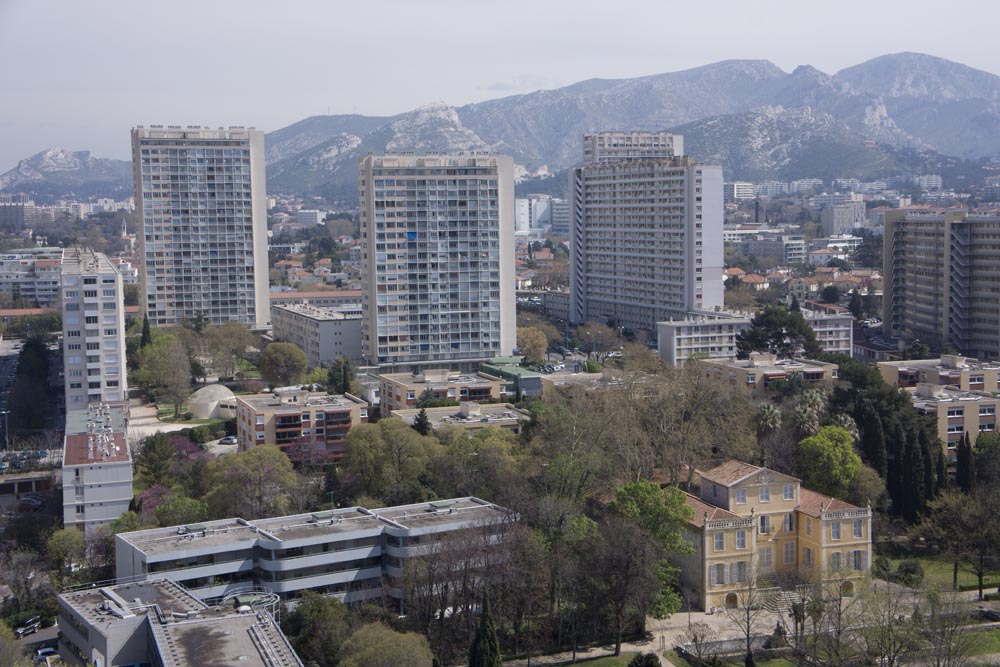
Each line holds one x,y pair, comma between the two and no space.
700,508
17,312
77,450
812,503
735,271
729,472
753,278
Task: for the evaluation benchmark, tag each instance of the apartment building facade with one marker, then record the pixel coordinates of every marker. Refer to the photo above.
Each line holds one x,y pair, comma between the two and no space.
762,370
646,241
752,526
32,276
93,326
956,412
202,236
402,391
310,427
614,147
96,466
354,554
323,333
437,266
940,280
950,369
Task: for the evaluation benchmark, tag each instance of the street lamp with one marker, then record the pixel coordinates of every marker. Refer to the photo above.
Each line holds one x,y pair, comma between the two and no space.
5,441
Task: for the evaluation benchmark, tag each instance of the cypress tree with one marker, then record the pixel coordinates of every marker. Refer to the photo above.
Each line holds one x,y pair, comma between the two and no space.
895,446
942,468
147,335
914,499
485,649
927,443
422,423
795,307
873,439
965,471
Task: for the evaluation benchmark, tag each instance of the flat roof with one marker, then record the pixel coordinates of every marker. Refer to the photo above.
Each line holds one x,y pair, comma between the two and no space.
94,448
453,377
113,415
347,311
765,366
495,414
313,400
234,531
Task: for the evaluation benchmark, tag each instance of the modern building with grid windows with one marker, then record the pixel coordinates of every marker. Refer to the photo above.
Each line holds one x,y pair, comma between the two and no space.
645,233
202,224
437,259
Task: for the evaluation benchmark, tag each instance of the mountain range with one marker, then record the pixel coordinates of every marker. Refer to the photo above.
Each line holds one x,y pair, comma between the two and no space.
895,114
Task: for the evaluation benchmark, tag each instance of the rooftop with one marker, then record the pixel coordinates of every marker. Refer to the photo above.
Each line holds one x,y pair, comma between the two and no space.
770,364
85,261
704,512
438,377
948,362
814,504
238,531
351,311
474,414
93,448
298,400
927,395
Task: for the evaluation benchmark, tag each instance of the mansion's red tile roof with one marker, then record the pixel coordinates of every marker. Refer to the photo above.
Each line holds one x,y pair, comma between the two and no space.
729,472
704,511
812,503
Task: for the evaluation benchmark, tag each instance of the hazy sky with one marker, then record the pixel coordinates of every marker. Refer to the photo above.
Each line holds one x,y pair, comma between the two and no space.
79,73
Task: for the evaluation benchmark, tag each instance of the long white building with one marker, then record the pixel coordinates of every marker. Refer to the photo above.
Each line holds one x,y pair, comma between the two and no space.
646,242
324,333
93,314
354,553
437,259
202,224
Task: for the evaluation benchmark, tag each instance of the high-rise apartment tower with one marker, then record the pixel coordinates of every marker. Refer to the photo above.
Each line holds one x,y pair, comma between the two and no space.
202,224
437,259
646,231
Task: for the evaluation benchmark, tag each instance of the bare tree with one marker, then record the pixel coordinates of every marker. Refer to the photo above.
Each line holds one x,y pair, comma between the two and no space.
749,608
944,622
887,633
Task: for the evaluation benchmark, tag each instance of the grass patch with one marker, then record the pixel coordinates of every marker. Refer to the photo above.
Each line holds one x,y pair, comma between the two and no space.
775,662
986,642
938,572
607,661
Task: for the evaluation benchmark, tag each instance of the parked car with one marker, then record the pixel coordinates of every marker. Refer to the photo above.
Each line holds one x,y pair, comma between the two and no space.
988,614
228,440
28,626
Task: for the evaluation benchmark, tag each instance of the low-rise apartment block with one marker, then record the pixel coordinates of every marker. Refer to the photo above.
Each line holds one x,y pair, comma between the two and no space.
308,426
950,369
324,333
32,276
752,525
160,623
471,416
762,370
401,391
957,412
354,553
97,467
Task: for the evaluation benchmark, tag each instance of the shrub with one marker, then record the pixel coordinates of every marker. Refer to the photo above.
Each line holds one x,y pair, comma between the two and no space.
592,366
882,568
909,573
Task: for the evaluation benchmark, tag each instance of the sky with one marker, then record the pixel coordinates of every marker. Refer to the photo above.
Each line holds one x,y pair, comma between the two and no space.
78,74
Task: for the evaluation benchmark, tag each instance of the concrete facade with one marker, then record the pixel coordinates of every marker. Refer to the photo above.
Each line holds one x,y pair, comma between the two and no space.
32,275
202,218
323,333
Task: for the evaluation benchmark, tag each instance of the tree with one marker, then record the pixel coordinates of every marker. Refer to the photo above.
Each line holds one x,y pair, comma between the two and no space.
377,645
780,331
422,423
65,547
389,456
855,305
809,412
746,613
827,461
830,294
253,484
155,460
532,344
965,469
644,660
165,366
946,624
597,339
485,649
227,344
147,336
282,364
317,628
179,509
887,634
12,651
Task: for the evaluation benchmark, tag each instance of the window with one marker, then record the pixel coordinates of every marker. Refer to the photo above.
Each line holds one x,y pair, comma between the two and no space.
809,526
789,492
807,557
765,494
72,334
859,530
835,563
789,523
89,294
109,306
765,524
789,553
108,292
741,496
720,541
72,307
719,574
741,539
857,560
740,572
715,491
835,530
90,319
765,559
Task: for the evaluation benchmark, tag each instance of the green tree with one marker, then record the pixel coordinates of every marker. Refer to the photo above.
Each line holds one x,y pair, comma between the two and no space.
644,660
147,335
965,465
855,305
12,650
377,645
827,461
282,364
830,294
532,344
317,629
485,649
65,547
780,331
253,484
155,459
422,423
179,509
389,456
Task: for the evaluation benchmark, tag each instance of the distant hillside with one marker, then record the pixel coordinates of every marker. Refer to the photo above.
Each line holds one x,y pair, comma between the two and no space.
57,173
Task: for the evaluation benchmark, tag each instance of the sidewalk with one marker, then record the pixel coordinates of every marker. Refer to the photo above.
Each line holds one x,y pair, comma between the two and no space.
143,422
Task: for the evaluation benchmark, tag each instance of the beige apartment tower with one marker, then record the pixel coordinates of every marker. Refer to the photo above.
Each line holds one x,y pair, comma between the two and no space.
437,259
202,224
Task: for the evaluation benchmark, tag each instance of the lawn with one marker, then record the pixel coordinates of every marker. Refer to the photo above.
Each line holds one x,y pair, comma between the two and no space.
938,571
609,661
986,642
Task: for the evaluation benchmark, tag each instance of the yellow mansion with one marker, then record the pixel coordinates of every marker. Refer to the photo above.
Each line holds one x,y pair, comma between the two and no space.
752,523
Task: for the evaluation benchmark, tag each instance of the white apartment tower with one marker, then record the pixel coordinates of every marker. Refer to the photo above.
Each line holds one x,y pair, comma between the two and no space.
202,224
646,232
93,314
437,259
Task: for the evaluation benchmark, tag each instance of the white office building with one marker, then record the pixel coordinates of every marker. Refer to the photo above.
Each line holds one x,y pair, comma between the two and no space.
202,224
438,259
738,191
93,324
351,553
32,276
646,234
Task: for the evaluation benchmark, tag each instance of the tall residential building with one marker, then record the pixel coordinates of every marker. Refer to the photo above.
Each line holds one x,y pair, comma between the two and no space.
93,322
839,219
612,147
941,282
438,259
646,233
738,191
560,217
32,276
202,224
